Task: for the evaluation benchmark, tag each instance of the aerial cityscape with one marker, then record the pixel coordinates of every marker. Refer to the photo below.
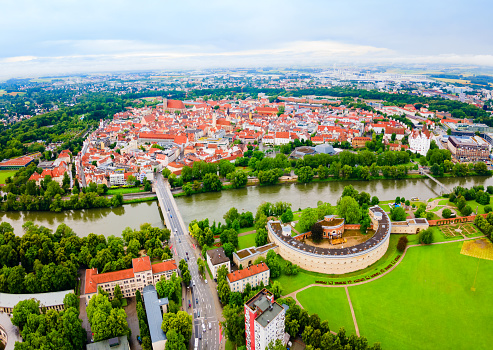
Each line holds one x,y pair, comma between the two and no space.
245,176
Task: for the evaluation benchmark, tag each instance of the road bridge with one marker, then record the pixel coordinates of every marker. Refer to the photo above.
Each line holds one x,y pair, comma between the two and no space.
444,189
202,298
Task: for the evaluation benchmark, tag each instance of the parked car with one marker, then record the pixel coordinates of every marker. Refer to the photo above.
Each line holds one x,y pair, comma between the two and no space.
197,301
210,325
203,327
189,303
139,339
206,281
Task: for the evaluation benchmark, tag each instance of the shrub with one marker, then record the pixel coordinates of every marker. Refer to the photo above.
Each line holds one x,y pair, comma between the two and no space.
426,237
466,211
401,245
487,208
446,213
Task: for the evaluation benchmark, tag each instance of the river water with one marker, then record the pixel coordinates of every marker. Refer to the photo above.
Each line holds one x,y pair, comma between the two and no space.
112,221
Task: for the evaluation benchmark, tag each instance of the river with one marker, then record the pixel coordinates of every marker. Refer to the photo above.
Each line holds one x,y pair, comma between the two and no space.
112,221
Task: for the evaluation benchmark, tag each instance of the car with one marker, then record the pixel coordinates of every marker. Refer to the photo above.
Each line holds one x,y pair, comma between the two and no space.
139,339
186,253
189,303
198,313
203,327
179,240
210,325
205,281
197,301
193,283
171,216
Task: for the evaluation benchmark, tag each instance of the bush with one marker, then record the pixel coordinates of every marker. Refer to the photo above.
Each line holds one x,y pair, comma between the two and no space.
466,211
487,208
426,237
401,245
446,213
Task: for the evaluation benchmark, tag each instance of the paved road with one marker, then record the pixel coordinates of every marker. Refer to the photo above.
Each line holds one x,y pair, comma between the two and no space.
201,298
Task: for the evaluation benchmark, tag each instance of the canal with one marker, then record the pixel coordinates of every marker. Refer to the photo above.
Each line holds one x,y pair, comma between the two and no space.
112,221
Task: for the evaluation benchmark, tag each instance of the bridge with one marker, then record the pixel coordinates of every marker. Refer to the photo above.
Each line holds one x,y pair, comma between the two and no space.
444,189
201,296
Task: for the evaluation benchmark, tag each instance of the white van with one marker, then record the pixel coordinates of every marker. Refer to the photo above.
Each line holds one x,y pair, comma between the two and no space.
196,347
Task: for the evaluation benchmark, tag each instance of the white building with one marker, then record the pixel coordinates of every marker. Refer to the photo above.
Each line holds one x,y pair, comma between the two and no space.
419,141
217,258
117,179
253,275
264,321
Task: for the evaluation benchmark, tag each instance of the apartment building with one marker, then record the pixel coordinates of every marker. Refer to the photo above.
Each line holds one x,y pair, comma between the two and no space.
142,274
264,321
217,258
252,275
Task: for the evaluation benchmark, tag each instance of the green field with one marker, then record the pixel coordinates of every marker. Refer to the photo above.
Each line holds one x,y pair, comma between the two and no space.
5,174
337,310
124,190
246,241
425,303
246,229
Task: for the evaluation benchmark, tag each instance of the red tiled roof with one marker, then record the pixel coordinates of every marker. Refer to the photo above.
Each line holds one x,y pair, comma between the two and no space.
93,278
250,271
164,266
141,264
21,161
176,104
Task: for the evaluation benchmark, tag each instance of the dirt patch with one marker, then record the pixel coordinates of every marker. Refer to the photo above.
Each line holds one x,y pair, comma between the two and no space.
479,248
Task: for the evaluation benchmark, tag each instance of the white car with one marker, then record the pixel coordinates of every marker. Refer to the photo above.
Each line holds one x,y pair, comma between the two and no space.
210,326
206,281
203,327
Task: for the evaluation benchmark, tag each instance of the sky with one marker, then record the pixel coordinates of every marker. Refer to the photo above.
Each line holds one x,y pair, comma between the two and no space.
56,37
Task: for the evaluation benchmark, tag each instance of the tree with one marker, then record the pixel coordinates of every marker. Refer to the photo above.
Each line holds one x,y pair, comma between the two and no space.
446,213
374,200
317,232
71,300
238,178
234,324
398,214
212,183
305,174
287,216
402,243
131,180
175,341
346,171
117,297
425,236
348,208
466,211
308,218
273,264
228,249
22,310
261,237
106,322
181,322
276,289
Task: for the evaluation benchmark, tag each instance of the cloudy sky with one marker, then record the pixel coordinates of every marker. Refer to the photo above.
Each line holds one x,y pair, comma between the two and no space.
52,37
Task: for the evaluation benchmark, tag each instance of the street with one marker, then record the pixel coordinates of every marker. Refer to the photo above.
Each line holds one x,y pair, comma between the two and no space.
181,245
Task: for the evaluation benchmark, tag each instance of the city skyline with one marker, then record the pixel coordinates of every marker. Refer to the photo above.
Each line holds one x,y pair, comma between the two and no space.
61,38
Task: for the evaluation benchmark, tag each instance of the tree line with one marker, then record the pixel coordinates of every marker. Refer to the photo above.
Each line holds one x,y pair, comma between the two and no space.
44,261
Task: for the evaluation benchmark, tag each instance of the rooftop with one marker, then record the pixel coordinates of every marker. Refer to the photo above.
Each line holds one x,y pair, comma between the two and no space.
380,235
119,343
217,256
247,272
153,311
268,315
251,251
45,299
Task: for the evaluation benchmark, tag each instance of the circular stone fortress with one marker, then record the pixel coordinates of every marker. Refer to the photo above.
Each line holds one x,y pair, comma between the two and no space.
334,260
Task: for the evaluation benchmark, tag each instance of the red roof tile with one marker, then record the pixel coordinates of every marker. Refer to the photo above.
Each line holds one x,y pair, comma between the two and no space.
164,266
250,271
141,264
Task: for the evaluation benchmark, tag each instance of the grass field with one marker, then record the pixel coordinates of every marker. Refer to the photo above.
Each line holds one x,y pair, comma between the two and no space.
479,248
436,298
5,174
337,311
124,190
246,229
246,241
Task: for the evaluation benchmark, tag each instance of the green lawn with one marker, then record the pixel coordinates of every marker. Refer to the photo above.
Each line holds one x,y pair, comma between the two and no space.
427,302
246,241
336,309
5,174
444,202
422,304
437,208
123,190
246,229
